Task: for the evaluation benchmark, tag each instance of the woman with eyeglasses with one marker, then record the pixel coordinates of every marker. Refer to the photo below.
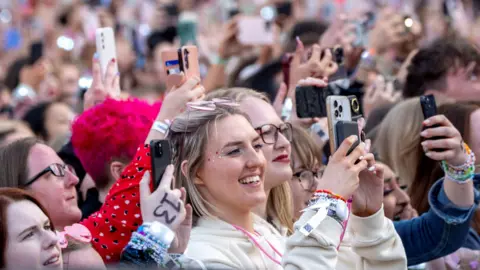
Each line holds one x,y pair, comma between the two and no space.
307,169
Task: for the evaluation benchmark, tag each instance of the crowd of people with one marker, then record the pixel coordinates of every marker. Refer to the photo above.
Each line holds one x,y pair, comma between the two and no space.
244,180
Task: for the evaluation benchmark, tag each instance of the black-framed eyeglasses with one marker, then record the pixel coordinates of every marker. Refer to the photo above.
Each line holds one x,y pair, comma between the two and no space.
308,179
269,132
59,170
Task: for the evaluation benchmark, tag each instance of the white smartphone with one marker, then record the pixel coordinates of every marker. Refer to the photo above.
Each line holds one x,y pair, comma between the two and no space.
263,34
106,49
338,109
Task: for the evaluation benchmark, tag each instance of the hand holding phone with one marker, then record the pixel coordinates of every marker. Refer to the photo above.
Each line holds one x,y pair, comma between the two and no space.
180,65
161,155
106,49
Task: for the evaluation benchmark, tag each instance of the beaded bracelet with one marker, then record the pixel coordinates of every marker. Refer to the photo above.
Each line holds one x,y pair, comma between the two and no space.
464,172
333,195
155,249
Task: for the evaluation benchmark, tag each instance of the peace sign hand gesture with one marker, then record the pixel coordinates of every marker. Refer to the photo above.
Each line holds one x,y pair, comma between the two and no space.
164,204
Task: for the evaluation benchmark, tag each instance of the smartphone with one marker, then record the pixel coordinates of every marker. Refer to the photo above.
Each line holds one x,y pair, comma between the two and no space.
187,28
310,101
106,49
429,106
188,61
171,66
345,129
263,34
171,9
407,23
36,52
284,8
161,155
429,109
338,109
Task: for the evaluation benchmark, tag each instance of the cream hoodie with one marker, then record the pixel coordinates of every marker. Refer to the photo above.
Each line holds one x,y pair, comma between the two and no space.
215,244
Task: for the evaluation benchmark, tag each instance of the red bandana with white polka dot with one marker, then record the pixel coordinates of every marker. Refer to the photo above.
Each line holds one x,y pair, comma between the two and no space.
120,215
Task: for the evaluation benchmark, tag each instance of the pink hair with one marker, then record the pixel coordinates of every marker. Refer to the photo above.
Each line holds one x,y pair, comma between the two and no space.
111,130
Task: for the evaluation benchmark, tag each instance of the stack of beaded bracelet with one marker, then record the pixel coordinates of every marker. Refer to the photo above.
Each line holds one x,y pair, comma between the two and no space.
336,203
148,244
460,174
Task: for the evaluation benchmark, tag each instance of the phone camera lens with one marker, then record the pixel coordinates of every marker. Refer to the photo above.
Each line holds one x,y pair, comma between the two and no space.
340,108
355,105
335,104
336,114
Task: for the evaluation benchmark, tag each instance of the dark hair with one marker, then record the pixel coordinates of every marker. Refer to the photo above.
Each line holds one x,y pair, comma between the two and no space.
12,80
36,117
14,160
428,170
429,67
7,197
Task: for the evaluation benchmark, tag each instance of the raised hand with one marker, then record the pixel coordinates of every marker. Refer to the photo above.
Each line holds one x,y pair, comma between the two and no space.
379,94
341,176
448,148
176,99
102,88
164,205
368,198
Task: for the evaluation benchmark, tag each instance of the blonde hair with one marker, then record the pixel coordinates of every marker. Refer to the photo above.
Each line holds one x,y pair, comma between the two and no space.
398,139
189,134
279,204
308,152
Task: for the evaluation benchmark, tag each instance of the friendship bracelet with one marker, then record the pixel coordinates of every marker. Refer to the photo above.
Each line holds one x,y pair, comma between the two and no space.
161,127
460,174
156,250
331,194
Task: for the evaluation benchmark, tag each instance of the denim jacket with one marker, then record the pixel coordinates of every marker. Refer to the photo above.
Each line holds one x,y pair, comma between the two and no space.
440,231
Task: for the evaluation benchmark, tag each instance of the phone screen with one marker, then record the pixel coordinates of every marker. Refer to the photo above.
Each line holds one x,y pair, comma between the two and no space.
36,52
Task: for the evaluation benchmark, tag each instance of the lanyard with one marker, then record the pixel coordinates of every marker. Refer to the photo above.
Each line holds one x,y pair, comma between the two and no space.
255,242
345,223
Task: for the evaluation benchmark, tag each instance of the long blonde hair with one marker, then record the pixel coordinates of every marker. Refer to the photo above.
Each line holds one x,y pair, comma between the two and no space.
398,139
279,204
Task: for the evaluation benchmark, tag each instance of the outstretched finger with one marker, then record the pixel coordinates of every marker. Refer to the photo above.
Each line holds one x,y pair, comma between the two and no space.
145,185
280,98
97,72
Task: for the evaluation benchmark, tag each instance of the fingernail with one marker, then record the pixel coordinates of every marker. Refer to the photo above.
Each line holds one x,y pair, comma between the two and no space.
95,56
118,73
353,139
428,154
426,122
361,158
371,169
423,133
113,60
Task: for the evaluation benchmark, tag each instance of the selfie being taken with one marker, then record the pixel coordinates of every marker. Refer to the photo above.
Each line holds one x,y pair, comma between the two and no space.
240,134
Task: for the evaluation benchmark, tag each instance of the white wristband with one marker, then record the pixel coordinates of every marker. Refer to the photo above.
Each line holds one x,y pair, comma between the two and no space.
161,126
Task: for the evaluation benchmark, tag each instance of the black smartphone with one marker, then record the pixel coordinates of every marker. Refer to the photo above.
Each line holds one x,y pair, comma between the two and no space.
36,52
429,109
171,9
161,155
310,101
429,106
345,129
284,8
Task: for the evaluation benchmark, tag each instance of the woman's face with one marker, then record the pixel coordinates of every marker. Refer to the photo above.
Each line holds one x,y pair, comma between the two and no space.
232,174
302,185
31,243
278,168
475,132
396,202
57,194
58,118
